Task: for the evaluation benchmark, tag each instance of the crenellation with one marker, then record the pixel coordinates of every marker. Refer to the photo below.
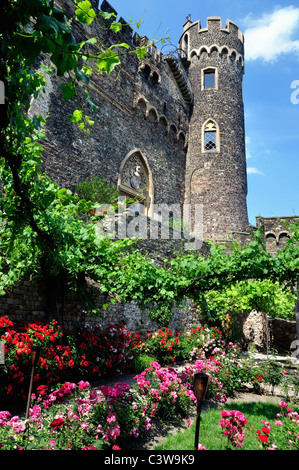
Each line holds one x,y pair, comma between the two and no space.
105,6
213,24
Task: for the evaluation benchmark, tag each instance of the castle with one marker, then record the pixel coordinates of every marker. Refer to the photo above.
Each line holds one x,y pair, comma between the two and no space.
171,125
169,130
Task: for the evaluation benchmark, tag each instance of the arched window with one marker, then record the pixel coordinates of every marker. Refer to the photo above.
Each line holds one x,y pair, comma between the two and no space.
210,137
186,44
135,181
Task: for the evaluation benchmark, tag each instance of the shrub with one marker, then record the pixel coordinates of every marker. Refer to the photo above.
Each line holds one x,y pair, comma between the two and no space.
87,353
143,361
97,190
164,345
284,434
167,390
76,417
168,347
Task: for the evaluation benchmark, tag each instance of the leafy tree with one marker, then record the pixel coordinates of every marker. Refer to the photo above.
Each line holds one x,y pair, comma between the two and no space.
41,226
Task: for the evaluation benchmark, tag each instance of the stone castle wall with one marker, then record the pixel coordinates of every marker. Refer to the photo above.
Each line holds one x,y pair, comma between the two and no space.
276,231
140,109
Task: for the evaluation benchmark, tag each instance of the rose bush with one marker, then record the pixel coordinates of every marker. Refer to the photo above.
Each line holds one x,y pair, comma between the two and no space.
167,390
89,353
169,347
284,433
73,416
233,424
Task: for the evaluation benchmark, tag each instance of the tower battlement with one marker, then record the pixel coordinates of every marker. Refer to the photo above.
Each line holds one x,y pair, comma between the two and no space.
196,36
215,23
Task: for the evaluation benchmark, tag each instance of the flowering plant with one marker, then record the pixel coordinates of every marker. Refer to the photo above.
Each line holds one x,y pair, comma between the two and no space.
165,345
167,390
284,433
76,417
233,424
168,346
86,353
201,342
121,413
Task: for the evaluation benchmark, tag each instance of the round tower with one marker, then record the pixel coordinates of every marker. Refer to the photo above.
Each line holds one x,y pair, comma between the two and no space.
216,161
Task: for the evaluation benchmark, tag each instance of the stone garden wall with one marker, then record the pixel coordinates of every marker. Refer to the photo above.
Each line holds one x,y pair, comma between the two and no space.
31,301
27,302
274,334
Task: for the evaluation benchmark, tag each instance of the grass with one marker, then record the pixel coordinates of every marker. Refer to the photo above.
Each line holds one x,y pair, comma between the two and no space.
211,434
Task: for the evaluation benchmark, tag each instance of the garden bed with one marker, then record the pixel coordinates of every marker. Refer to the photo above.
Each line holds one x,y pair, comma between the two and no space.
159,431
129,407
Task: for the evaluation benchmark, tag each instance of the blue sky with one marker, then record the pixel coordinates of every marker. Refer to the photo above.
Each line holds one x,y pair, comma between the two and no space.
271,86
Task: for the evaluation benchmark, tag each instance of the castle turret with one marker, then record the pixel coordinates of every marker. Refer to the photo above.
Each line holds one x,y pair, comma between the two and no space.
216,162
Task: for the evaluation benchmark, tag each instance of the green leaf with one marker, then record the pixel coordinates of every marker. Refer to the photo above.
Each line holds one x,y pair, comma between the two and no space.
76,116
47,23
85,13
68,90
108,61
93,106
141,52
123,44
89,121
92,41
106,16
81,76
64,62
116,27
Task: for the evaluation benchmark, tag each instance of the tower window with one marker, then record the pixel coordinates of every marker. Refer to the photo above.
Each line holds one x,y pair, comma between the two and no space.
209,79
210,136
210,140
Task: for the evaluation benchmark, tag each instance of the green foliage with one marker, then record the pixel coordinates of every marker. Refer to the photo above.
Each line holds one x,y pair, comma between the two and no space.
98,190
142,361
85,13
245,296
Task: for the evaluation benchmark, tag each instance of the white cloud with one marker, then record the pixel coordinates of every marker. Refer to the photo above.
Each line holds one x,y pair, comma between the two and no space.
272,34
254,171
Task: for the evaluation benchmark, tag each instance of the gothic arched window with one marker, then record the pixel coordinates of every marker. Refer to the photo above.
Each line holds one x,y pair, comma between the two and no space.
210,136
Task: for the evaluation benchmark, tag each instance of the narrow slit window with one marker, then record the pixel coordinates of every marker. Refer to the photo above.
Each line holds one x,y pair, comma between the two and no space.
209,79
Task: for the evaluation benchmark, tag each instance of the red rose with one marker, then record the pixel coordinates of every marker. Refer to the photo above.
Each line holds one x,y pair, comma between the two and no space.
57,423
266,430
42,389
263,438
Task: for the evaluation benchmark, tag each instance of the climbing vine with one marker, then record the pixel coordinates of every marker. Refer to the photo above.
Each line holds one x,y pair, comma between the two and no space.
42,231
